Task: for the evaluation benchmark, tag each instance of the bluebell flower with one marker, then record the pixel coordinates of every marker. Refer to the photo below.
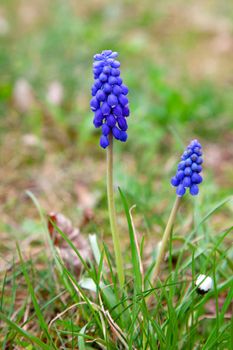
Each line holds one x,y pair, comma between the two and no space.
188,170
109,102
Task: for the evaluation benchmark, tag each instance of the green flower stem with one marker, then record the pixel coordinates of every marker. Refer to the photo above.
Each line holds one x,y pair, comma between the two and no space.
112,213
166,236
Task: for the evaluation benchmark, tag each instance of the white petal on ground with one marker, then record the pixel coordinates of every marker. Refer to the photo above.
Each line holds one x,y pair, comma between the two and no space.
204,283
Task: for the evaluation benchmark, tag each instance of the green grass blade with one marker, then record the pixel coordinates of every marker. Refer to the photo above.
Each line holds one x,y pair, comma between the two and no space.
135,257
39,314
81,341
24,333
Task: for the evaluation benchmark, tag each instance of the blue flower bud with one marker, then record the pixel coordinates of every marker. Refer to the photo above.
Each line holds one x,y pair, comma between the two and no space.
117,111
188,170
98,119
186,181
123,136
111,121
103,77
97,71
174,181
107,53
115,64
107,88
115,72
196,178
181,165
100,95
180,175
123,100
104,142
116,132
125,90
112,80
97,122
194,157
112,100
125,111
94,90
194,190
105,129
180,191
198,151
98,57
94,104
119,81
106,110
116,90
98,64
109,61
113,55
122,123
98,83
99,115
194,167
106,70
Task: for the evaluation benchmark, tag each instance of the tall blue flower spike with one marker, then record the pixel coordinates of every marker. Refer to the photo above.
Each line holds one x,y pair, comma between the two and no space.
109,101
188,170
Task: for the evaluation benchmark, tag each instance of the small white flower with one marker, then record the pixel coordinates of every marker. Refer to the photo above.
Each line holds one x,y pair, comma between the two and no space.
204,284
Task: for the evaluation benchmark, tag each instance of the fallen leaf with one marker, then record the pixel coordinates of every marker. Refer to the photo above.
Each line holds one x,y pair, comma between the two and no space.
68,255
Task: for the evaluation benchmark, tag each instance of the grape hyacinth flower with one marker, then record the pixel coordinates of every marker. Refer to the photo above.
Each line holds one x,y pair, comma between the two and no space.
188,170
110,105
109,101
187,176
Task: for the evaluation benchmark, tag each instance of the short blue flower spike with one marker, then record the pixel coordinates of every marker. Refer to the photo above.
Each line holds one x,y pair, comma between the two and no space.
109,101
188,170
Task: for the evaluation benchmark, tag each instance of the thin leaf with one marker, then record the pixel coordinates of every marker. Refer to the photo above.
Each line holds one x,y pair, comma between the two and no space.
39,314
24,333
134,252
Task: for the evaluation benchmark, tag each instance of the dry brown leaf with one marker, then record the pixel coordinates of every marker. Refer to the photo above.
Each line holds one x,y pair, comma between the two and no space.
68,255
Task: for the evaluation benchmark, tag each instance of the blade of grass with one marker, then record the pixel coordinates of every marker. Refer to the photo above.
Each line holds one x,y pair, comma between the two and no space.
42,322
2,291
212,339
134,252
81,341
24,333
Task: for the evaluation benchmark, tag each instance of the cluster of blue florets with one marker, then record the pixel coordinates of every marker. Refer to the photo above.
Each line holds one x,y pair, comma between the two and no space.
188,170
109,101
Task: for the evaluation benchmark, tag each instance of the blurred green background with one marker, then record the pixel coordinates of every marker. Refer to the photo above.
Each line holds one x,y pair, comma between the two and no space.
177,60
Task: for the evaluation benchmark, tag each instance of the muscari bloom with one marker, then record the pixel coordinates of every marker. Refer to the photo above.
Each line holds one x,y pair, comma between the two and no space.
109,101
188,170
